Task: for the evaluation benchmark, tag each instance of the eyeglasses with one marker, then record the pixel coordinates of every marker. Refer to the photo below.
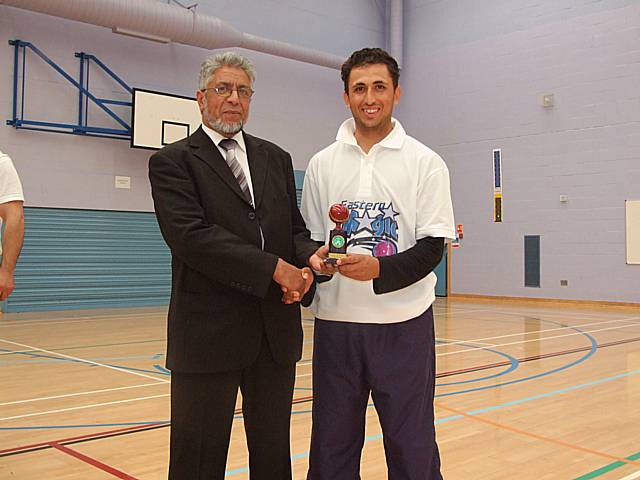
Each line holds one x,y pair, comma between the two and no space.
225,91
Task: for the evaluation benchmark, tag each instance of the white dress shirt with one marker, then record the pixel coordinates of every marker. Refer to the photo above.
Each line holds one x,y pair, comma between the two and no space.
241,153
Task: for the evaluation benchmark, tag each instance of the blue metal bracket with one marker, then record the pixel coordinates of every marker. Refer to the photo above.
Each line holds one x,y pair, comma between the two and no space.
84,94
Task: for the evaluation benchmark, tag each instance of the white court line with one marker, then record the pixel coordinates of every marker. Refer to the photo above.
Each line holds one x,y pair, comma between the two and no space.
82,407
451,341
447,310
536,313
535,340
77,394
480,340
86,361
302,363
530,313
633,476
80,347
106,390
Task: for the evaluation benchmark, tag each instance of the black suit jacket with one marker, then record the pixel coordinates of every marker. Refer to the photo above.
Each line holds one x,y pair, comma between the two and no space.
222,295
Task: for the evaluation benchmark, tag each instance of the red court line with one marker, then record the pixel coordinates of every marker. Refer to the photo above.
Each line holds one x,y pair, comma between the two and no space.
534,357
92,461
527,433
301,400
90,436
97,435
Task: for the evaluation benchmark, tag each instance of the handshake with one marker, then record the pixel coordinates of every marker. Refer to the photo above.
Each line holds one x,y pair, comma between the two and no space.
295,282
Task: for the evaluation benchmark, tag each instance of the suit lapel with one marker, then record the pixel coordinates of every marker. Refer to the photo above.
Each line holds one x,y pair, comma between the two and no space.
202,147
258,164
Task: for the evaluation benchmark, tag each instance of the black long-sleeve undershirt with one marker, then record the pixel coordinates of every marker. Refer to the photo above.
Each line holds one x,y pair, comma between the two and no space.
406,268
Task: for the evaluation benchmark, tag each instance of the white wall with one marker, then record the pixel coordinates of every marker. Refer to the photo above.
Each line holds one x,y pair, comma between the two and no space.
474,75
296,105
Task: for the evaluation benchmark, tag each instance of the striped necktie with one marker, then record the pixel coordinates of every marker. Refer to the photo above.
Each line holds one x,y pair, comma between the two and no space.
229,145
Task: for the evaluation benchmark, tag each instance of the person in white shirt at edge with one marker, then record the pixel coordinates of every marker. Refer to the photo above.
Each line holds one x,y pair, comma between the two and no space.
11,200
374,329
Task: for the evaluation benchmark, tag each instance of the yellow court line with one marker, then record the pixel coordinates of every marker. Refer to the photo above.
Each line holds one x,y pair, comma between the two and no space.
536,436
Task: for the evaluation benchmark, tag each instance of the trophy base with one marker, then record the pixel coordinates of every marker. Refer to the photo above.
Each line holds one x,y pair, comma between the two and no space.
333,258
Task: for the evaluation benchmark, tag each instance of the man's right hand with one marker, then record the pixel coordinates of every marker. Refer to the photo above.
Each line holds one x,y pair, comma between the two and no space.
294,282
6,284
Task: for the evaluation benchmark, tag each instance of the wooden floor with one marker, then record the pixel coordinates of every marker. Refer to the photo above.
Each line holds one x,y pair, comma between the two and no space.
524,392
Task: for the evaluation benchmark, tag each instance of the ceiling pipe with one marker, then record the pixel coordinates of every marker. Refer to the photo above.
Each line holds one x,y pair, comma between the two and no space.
163,22
396,30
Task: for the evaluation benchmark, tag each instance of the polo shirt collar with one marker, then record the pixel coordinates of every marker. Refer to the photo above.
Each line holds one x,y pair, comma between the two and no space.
395,139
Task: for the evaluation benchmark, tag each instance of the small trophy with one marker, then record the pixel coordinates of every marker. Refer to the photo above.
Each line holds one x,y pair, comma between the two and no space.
338,214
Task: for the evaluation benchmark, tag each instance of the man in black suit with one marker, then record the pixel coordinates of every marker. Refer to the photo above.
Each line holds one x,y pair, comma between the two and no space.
226,205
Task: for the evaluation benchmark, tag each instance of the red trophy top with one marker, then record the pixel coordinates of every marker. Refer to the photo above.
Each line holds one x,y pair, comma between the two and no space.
338,214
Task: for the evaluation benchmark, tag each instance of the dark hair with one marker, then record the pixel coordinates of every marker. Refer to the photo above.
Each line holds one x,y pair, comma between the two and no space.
369,56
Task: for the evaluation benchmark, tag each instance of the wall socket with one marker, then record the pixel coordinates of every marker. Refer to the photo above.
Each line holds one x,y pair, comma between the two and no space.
123,182
547,100
564,283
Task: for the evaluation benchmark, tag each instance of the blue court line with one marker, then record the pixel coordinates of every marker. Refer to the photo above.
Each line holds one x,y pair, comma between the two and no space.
51,359
302,455
298,412
90,425
88,363
77,347
457,417
514,364
544,395
138,369
592,350
371,438
162,369
454,417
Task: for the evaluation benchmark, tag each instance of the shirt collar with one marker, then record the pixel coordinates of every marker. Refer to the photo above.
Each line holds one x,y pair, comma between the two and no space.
216,137
395,138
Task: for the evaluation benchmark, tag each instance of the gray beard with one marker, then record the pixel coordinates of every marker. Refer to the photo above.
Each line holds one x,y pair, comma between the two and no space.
226,128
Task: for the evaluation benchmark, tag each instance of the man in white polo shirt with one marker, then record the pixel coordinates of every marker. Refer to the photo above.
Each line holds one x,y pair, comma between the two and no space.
374,321
11,199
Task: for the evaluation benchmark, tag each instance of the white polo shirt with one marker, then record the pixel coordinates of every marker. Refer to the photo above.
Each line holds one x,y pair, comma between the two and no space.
10,186
397,194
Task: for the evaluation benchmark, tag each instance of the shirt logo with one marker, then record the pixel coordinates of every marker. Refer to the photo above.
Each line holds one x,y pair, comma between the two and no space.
373,226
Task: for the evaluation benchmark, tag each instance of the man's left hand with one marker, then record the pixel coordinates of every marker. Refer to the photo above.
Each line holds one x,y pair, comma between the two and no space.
359,267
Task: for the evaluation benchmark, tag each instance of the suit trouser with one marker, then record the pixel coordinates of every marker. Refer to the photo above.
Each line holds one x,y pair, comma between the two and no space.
396,364
202,411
